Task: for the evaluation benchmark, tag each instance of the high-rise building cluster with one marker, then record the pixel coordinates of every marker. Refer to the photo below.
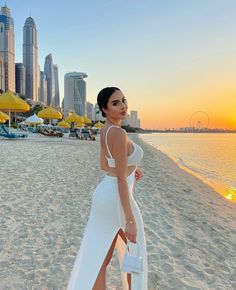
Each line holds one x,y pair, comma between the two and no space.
132,120
26,78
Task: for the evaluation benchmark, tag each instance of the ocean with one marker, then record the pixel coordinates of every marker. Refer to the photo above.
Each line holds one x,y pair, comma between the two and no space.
209,156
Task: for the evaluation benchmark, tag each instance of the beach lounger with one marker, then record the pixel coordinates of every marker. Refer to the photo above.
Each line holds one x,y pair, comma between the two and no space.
86,134
5,133
10,136
33,130
45,132
13,135
73,134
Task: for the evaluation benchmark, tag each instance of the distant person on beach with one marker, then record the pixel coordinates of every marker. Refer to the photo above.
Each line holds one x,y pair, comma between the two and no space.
115,217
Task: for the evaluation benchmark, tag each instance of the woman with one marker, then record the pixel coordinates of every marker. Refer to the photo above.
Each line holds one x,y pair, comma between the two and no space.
114,216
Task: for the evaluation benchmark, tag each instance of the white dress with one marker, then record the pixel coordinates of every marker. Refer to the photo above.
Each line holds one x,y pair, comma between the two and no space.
105,220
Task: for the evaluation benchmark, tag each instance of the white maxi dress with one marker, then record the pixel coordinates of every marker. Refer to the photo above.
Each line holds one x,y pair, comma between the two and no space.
105,220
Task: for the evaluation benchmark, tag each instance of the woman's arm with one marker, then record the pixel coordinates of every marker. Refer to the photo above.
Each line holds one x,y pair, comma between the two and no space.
120,154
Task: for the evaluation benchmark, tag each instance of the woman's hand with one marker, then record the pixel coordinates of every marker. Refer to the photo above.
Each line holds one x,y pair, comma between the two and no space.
131,232
138,173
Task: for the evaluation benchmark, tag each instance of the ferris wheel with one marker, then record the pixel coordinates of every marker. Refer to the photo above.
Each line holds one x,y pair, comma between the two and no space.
199,120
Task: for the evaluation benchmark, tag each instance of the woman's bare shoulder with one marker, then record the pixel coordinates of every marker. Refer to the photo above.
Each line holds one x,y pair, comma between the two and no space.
117,136
114,129
117,131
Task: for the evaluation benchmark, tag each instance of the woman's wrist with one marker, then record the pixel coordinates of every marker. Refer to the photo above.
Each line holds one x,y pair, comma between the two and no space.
130,220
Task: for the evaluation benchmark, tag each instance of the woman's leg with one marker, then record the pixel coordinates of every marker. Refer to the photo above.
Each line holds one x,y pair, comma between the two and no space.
100,283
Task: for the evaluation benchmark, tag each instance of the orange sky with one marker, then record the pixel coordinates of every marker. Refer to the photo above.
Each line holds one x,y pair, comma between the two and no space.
170,58
162,104
172,113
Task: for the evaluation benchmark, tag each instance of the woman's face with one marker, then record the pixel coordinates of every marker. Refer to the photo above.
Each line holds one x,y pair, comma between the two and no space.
117,106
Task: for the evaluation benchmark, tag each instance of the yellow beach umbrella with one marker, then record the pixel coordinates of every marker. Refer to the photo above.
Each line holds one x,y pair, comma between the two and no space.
63,124
79,124
50,113
99,125
2,120
87,120
12,103
4,116
81,119
74,118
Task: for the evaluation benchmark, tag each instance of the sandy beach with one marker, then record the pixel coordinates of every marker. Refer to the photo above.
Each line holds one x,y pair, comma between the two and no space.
45,198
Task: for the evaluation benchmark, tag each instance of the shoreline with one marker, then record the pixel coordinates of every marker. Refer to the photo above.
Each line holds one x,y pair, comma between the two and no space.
226,191
195,230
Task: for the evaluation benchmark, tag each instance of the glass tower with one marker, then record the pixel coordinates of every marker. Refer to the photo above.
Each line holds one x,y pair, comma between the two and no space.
30,58
7,49
57,93
75,93
20,79
50,77
43,88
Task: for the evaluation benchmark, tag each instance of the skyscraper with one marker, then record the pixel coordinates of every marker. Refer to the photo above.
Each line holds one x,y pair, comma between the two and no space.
62,105
138,123
2,76
20,79
126,121
43,88
7,48
133,118
98,114
57,93
38,85
89,110
50,77
30,58
75,93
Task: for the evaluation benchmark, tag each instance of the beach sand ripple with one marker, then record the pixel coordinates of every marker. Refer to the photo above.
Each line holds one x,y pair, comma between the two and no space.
45,198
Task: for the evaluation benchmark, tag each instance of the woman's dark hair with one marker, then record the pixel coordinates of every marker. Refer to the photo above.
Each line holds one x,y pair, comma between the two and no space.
103,97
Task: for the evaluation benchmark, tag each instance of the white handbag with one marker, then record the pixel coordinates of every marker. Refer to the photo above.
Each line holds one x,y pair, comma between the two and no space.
132,264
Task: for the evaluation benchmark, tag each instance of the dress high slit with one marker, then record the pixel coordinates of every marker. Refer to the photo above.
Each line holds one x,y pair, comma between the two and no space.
105,221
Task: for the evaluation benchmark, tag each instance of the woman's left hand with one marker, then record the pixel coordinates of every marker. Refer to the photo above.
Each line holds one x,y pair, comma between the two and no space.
138,173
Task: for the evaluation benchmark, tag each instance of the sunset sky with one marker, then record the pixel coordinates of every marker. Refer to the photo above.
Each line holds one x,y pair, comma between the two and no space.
170,57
